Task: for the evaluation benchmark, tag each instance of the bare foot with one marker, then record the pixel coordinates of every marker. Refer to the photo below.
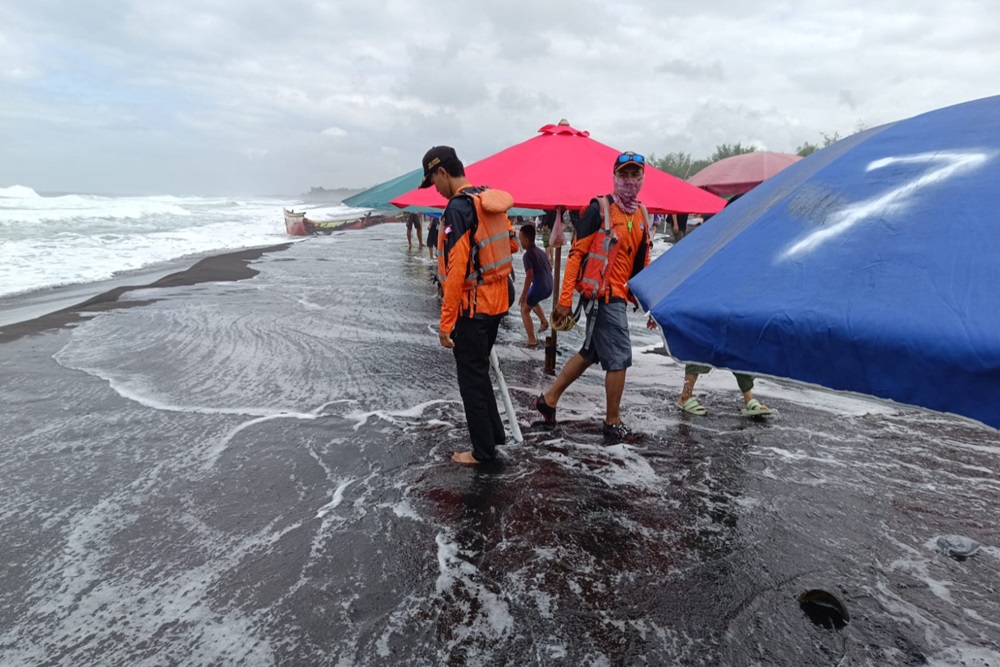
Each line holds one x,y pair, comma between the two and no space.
464,457
531,343
543,327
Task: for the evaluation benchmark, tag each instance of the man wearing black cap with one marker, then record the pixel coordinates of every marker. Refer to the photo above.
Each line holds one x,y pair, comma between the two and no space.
610,245
476,243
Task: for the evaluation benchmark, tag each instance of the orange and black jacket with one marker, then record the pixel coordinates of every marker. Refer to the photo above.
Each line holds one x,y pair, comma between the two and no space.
633,255
462,297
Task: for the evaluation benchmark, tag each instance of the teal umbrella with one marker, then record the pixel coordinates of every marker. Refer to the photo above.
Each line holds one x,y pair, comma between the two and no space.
378,197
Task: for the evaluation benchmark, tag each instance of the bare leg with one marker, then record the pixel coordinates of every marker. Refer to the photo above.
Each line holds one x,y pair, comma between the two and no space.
614,387
688,390
420,237
543,323
409,237
528,324
573,369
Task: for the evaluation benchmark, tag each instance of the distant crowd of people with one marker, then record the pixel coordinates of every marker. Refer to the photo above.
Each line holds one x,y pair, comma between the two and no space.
612,239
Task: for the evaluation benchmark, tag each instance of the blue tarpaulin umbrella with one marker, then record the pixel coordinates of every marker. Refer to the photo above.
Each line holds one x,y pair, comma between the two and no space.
378,197
871,266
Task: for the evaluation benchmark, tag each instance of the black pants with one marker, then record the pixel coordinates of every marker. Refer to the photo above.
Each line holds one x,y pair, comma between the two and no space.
474,339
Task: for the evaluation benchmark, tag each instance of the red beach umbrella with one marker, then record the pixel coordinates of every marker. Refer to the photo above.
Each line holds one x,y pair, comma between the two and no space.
741,173
564,167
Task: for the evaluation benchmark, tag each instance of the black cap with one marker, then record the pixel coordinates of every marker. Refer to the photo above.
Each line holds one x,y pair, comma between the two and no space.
433,159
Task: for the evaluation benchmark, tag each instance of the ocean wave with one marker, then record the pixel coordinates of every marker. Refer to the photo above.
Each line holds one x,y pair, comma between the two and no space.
19,192
84,208
72,239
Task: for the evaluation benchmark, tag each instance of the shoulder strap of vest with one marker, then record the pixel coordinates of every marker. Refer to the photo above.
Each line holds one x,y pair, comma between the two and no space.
605,203
462,192
645,215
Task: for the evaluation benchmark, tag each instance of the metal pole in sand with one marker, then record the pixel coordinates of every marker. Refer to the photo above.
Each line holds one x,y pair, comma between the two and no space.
508,407
550,341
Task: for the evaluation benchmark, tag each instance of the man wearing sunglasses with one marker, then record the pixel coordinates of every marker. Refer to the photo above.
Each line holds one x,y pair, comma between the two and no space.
620,221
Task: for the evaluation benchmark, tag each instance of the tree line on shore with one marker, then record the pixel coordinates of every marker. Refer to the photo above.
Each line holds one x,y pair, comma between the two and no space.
682,165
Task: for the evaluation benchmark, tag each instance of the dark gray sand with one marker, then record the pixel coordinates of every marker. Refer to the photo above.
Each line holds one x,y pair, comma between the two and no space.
249,466
225,267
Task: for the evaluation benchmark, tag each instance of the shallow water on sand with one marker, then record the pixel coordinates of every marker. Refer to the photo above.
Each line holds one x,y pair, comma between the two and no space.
256,473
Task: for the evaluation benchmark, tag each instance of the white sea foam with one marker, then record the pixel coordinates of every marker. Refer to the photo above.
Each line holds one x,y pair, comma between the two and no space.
405,510
491,615
338,497
85,598
69,239
966,656
617,465
394,416
18,192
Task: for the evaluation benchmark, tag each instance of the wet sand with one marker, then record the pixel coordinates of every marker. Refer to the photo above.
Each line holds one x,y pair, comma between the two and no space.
224,267
256,471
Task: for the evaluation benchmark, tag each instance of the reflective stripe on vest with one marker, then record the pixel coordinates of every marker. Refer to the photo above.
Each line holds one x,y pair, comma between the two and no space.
594,279
603,249
477,274
489,253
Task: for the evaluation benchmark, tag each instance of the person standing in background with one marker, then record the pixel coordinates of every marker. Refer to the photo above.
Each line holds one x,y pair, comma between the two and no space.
687,401
545,226
432,237
537,284
413,220
680,225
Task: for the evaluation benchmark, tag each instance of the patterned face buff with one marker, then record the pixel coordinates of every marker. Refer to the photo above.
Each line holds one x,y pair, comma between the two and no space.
626,192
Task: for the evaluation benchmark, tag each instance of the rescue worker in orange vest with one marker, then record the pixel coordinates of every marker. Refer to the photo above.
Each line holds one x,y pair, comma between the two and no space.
475,246
611,244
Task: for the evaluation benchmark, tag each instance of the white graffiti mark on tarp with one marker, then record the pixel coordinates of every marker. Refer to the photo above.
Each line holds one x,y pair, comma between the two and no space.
950,164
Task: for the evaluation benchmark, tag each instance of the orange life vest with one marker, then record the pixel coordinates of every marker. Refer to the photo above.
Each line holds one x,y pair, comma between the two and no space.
593,277
490,258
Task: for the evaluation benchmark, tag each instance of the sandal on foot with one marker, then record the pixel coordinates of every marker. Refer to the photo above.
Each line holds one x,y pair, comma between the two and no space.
548,413
755,408
692,406
617,433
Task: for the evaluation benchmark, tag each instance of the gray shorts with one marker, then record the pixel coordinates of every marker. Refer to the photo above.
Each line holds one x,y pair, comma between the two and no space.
607,339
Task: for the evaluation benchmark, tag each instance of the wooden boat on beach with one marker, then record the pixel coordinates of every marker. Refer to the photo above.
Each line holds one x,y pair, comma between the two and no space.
297,224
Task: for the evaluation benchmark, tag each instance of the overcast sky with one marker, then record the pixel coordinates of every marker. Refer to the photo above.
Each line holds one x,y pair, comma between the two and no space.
262,96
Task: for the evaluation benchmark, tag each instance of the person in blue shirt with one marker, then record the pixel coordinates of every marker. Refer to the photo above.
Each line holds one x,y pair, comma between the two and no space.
537,284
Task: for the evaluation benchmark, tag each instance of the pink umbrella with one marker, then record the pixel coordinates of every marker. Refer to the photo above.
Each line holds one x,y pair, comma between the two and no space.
564,167
741,173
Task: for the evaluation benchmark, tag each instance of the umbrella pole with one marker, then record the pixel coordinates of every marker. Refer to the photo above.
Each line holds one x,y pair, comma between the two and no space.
508,406
550,342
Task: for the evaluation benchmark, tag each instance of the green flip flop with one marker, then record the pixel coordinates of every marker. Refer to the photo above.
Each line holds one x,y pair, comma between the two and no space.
754,408
693,407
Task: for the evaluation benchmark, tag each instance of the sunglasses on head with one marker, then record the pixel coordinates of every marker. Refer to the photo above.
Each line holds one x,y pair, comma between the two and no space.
625,158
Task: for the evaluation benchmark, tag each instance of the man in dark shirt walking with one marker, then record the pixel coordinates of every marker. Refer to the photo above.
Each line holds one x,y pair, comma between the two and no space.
537,284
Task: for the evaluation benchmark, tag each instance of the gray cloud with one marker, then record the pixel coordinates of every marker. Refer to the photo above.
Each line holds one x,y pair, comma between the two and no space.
711,71
847,98
131,96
